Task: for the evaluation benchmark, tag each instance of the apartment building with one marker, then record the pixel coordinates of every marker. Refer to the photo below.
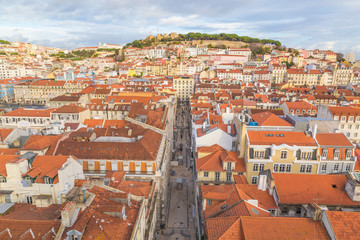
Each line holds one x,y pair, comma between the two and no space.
184,86
336,153
280,151
278,73
216,165
348,120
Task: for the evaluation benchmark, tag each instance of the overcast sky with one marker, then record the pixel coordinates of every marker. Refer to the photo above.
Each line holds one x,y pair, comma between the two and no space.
324,24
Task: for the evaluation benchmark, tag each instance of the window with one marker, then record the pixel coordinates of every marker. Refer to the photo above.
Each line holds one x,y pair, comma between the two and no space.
282,168
351,119
348,154
336,153
303,155
256,155
302,168
209,202
348,134
228,167
357,126
336,167
262,153
2,179
324,153
276,167
255,167
283,154
228,176
323,167
75,237
348,167
47,180
308,168
349,126
355,134
288,168
217,176
261,168
254,180
29,199
342,126
206,174
308,156
357,119
343,118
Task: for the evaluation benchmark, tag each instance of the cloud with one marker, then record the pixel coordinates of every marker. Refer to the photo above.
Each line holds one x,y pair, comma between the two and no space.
327,24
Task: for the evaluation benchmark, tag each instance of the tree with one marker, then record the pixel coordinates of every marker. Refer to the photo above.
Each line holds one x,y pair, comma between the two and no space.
339,57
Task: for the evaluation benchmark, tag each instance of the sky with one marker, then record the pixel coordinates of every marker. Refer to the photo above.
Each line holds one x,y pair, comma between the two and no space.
310,24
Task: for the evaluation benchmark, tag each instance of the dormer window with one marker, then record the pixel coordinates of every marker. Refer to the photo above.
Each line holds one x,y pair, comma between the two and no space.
2,179
228,166
324,153
348,154
48,180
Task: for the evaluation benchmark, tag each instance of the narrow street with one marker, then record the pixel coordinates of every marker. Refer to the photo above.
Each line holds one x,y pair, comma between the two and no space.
180,223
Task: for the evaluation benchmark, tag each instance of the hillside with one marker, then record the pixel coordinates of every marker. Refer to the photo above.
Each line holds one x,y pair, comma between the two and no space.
215,40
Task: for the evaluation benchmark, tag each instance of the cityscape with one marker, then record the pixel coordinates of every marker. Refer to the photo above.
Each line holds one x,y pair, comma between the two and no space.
179,135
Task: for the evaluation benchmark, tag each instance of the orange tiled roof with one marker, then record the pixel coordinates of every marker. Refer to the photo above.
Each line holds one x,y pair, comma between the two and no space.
40,142
344,224
46,166
282,228
269,119
333,139
280,137
214,161
23,112
307,188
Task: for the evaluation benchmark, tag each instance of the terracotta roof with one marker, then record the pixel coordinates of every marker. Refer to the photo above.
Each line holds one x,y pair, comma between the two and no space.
41,142
280,137
95,223
92,123
282,228
23,112
300,105
333,139
70,109
4,133
144,149
307,188
20,229
224,228
214,161
269,119
344,224
344,110
46,166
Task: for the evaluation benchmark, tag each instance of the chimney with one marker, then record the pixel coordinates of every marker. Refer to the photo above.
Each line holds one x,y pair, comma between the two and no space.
314,131
314,211
229,129
262,182
228,109
129,132
352,186
68,213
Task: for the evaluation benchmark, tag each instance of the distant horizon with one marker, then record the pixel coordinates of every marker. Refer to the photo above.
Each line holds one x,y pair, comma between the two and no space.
327,25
